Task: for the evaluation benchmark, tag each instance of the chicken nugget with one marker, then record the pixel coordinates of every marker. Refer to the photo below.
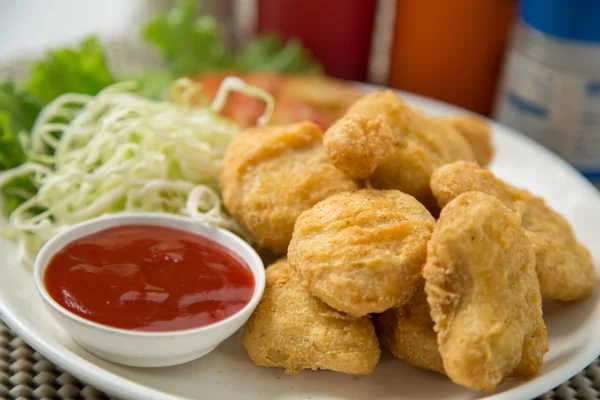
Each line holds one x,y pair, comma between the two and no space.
477,132
362,252
407,332
294,330
271,174
393,145
484,294
565,268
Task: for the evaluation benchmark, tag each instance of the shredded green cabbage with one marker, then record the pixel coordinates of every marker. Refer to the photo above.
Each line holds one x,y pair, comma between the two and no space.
121,152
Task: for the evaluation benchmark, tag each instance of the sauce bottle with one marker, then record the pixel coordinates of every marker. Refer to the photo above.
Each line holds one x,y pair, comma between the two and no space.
451,50
337,32
550,88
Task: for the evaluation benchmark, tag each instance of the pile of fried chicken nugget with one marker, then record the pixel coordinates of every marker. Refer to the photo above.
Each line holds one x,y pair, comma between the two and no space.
392,232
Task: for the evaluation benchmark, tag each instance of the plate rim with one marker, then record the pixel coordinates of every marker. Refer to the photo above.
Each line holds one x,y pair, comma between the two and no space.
111,383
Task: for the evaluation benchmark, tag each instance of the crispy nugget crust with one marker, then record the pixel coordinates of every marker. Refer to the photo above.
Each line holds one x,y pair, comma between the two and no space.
271,174
358,144
484,294
362,252
407,332
392,144
477,132
565,268
294,330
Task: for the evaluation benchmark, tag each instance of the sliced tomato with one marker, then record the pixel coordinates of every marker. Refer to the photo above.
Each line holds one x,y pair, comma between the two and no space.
321,100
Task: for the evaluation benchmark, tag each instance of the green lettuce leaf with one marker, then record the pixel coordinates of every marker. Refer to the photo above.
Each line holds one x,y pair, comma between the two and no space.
267,53
11,151
16,192
80,70
20,106
18,111
193,45
189,44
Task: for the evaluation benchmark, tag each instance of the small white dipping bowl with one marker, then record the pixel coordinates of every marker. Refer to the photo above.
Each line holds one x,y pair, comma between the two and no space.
140,348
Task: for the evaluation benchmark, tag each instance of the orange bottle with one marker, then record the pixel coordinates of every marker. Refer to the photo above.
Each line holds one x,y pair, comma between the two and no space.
451,50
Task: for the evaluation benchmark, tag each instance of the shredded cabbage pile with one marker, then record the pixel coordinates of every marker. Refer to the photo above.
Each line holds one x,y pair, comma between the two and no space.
122,152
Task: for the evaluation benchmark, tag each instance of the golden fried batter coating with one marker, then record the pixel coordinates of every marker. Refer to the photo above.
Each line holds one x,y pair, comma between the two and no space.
294,330
483,292
362,252
392,144
408,333
477,132
565,268
271,174
358,144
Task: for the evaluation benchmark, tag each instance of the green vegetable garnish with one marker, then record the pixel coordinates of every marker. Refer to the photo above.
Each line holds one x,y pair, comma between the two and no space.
11,151
266,53
189,44
20,106
122,152
16,192
80,70
193,45
18,111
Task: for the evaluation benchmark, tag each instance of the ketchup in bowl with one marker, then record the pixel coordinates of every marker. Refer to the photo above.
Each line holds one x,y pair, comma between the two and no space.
149,278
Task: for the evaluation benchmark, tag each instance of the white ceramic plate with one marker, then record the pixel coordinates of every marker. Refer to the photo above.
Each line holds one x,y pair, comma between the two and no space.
228,373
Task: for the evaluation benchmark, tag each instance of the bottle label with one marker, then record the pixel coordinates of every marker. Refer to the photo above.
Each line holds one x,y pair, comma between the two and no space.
557,108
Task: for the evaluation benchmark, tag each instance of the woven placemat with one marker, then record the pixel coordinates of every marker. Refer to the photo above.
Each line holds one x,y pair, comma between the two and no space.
26,374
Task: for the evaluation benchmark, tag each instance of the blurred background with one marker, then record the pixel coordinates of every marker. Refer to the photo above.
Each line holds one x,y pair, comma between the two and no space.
533,65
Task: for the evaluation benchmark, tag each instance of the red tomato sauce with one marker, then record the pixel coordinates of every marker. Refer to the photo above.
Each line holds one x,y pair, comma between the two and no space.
149,278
